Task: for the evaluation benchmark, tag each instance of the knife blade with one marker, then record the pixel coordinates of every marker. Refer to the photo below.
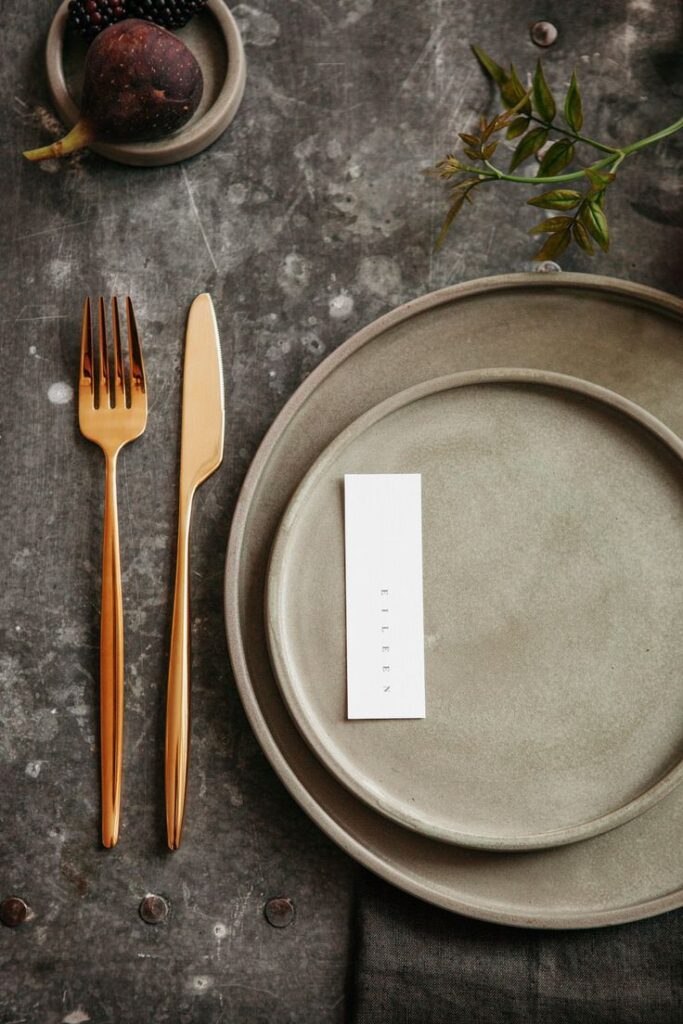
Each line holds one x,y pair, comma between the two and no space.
201,453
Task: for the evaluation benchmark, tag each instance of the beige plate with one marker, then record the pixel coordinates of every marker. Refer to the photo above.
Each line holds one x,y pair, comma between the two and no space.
552,556
624,337
214,39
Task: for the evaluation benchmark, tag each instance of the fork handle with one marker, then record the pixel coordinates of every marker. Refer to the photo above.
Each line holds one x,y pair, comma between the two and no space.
111,663
178,694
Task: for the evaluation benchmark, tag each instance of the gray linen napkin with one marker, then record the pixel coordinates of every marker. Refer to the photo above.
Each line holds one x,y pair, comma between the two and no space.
415,964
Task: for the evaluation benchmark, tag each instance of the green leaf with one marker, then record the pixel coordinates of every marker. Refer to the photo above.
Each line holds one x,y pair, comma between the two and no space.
581,237
556,159
528,145
501,120
509,95
514,78
543,98
551,225
518,127
599,179
573,105
495,71
593,218
554,246
505,119
557,199
514,94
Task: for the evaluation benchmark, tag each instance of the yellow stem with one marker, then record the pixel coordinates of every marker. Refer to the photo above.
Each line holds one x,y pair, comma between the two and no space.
82,134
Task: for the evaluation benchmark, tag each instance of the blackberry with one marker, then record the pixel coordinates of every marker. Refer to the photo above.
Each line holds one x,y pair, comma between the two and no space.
89,17
168,13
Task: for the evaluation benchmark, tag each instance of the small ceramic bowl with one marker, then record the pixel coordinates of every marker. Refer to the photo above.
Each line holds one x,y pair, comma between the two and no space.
213,37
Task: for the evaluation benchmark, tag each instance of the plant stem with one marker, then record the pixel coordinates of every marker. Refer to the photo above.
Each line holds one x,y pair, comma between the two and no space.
633,147
82,134
573,135
615,155
616,163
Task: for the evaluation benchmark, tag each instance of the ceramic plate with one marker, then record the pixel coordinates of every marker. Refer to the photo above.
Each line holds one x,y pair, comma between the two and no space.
624,337
213,37
553,545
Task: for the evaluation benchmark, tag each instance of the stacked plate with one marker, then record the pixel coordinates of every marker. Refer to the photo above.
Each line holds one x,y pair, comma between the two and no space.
544,413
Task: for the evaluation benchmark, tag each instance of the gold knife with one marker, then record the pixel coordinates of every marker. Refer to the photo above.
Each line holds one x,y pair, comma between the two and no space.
201,452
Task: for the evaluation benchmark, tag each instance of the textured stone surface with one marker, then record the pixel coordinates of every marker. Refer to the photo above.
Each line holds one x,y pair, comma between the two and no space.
307,219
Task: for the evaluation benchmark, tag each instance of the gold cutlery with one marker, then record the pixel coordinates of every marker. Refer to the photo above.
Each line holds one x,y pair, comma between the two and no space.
112,410
201,453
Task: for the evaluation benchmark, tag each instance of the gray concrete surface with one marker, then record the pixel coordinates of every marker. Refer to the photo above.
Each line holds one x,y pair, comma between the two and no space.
306,220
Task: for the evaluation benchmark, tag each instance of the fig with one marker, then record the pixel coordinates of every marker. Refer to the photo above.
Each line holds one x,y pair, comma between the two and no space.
141,83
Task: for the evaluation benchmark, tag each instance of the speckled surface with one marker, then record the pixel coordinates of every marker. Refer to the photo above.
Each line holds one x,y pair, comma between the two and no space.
305,220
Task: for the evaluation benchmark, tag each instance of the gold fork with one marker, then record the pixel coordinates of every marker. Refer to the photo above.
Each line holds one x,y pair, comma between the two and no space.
112,410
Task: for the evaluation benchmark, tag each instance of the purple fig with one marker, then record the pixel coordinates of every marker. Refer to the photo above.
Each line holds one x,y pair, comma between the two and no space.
141,82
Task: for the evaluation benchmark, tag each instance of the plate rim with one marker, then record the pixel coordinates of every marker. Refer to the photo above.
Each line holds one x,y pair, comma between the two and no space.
643,294
274,599
187,141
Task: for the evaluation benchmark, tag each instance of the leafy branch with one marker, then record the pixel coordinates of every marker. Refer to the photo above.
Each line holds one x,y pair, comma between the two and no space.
531,115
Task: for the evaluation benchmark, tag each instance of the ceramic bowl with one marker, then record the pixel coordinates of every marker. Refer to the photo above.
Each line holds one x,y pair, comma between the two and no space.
213,37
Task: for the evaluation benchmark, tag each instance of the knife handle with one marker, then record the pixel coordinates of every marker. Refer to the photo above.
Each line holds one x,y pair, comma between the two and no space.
111,663
178,695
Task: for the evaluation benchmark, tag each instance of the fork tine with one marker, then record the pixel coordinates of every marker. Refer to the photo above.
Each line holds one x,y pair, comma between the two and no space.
138,385
119,378
103,390
86,381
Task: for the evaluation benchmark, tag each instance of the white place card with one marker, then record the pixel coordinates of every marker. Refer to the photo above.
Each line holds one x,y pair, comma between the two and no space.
384,605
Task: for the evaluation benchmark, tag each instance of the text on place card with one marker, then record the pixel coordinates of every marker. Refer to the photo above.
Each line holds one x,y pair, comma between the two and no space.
384,603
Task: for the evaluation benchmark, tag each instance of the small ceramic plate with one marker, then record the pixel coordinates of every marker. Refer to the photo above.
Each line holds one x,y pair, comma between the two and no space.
213,37
553,541
627,338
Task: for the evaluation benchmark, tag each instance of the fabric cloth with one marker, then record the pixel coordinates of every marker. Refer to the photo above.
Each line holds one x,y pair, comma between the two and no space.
415,964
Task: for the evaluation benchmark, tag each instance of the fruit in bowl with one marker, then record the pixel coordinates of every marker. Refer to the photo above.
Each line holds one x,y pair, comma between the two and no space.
90,17
141,83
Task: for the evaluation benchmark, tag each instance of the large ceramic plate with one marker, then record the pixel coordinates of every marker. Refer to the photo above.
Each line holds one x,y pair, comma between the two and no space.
553,548
621,336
